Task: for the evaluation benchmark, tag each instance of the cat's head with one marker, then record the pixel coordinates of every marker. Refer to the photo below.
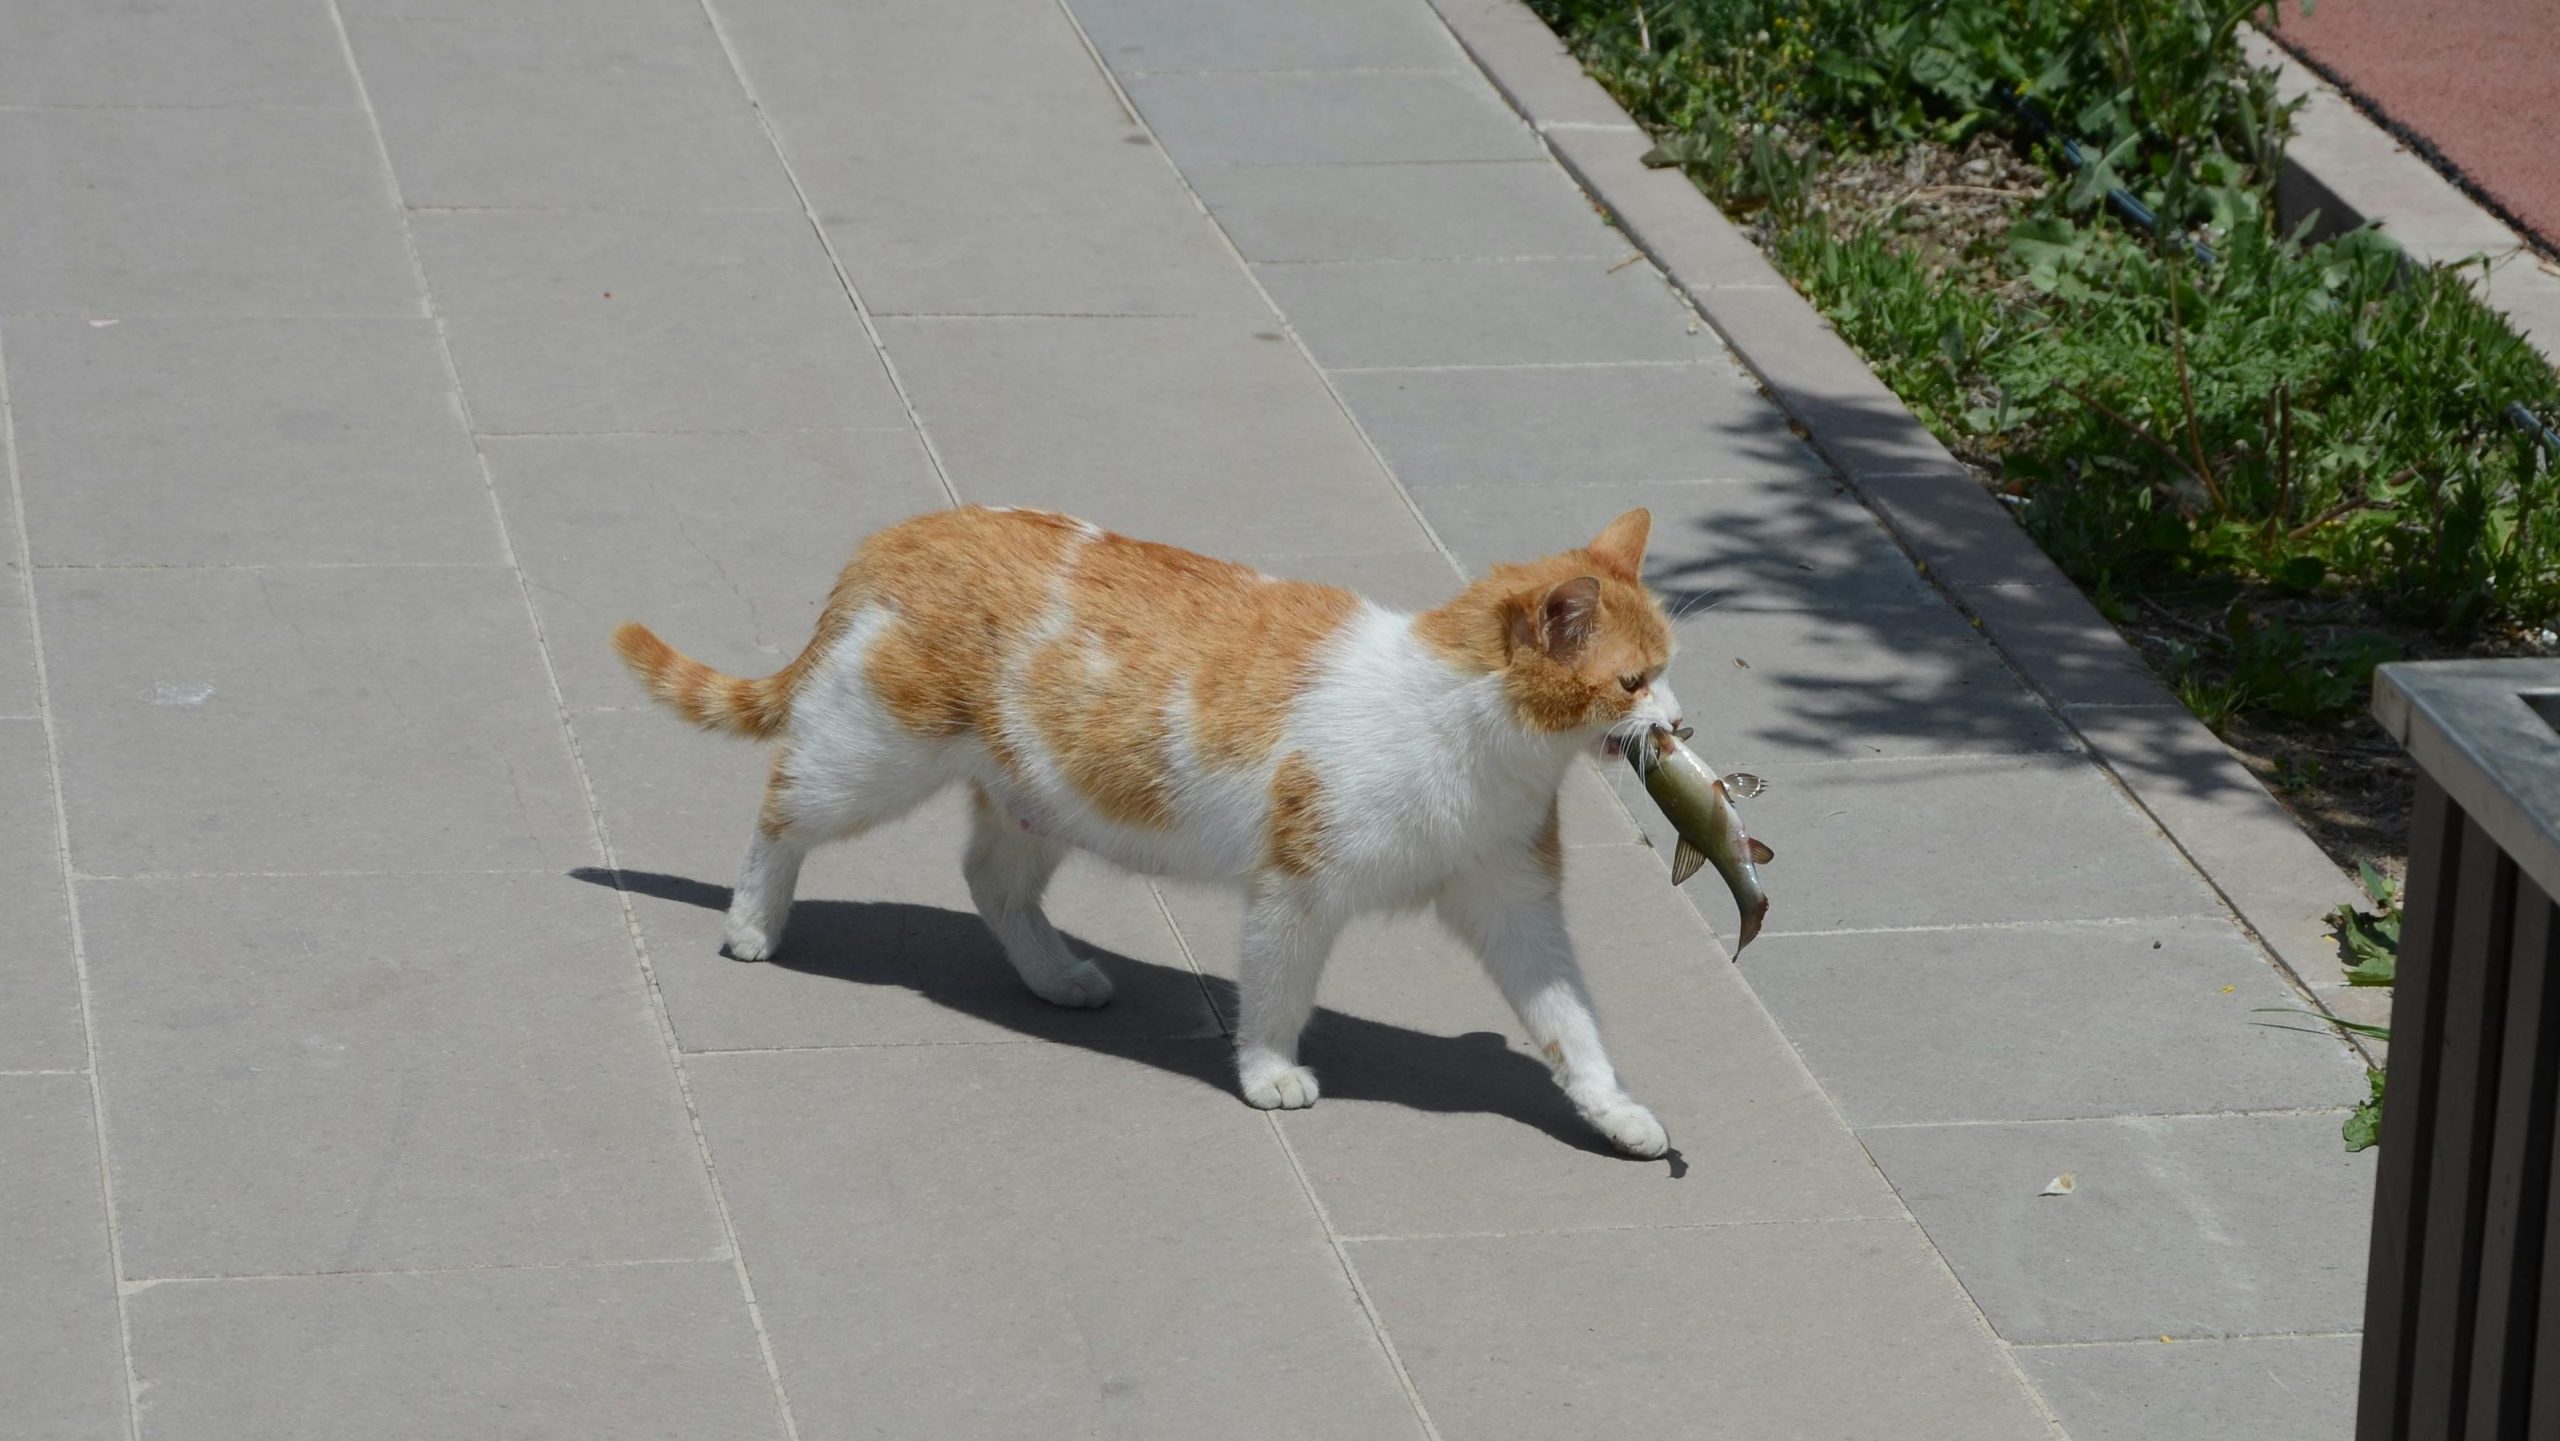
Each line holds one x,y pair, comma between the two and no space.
1580,644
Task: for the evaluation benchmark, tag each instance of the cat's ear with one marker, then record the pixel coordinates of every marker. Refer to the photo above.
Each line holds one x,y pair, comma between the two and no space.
1560,622
1619,549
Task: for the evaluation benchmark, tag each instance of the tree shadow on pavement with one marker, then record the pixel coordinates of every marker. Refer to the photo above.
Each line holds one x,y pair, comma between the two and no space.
948,958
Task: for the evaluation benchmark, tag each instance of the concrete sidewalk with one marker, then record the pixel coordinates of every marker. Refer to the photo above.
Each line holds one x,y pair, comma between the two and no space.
364,364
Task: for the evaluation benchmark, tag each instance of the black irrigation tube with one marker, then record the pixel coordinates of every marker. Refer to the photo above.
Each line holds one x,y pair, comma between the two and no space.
2531,424
2125,203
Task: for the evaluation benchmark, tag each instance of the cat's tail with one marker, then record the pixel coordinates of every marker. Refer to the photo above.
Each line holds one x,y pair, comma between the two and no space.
733,705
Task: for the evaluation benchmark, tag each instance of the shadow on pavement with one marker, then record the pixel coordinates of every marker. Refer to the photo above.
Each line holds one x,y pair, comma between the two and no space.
1356,1059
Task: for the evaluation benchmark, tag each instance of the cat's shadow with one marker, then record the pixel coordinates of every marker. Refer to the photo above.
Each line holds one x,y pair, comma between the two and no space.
948,958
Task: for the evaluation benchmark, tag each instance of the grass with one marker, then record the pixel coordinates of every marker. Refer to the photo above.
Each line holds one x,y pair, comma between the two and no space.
2211,412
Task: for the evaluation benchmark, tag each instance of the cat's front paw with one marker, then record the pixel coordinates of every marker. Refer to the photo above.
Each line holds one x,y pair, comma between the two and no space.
1275,1085
1080,987
746,941
1630,1127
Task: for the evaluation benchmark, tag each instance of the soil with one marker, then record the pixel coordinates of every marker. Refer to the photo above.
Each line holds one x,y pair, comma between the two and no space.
2347,783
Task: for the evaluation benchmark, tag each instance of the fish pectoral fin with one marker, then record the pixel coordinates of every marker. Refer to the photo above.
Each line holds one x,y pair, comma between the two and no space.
1743,785
1685,860
1761,855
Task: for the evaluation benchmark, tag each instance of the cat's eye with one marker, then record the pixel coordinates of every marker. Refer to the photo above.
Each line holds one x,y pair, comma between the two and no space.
1633,683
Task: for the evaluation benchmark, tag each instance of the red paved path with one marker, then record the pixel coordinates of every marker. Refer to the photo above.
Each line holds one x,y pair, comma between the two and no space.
2479,79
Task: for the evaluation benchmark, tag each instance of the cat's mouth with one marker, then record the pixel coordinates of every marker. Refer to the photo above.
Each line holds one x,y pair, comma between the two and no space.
1613,746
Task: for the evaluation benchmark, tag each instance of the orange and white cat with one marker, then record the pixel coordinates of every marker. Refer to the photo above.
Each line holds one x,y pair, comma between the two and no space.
1182,716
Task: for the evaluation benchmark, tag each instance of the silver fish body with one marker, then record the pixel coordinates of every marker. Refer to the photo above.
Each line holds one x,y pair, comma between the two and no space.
1699,805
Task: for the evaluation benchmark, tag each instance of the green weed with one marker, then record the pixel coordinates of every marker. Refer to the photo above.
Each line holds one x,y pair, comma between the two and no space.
2311,418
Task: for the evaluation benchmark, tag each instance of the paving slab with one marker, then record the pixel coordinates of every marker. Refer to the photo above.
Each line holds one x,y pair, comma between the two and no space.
1544,428
1211,434
198,212
620,1352
1072,233
1142,36
1485,210
2179,1226
1767,687
2270,871
884,946
274,1104
40,1028
2267,1388
1366,315
65,1377
603,322
261,720
1329,117
1841,1329
244,442
255,53
1718,547
1439,1118
1099,1196
2046,1022
634,109
612,528
1028,191
1863,846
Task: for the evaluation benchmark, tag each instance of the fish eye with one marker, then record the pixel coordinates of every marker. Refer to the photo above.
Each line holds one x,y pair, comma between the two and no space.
1633,683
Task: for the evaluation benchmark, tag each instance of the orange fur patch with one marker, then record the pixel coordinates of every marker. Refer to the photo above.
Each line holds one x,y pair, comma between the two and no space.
1147,619
968,586
1296,846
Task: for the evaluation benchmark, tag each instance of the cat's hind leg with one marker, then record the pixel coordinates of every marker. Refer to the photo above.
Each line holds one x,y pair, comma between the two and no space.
1286,943
1511,914
814,795
760,904
1008,870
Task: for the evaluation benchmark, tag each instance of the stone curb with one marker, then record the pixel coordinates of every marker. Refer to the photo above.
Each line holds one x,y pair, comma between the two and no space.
2282,886
2349,170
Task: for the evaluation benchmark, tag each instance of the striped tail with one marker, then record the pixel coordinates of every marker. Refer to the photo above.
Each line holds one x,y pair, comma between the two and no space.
710,699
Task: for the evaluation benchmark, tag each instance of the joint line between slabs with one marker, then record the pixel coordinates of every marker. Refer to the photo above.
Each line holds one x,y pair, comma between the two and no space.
1391,1237
2011,925
1310,71
2202,1338
70,905
144,1283
2262,1113
597,828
